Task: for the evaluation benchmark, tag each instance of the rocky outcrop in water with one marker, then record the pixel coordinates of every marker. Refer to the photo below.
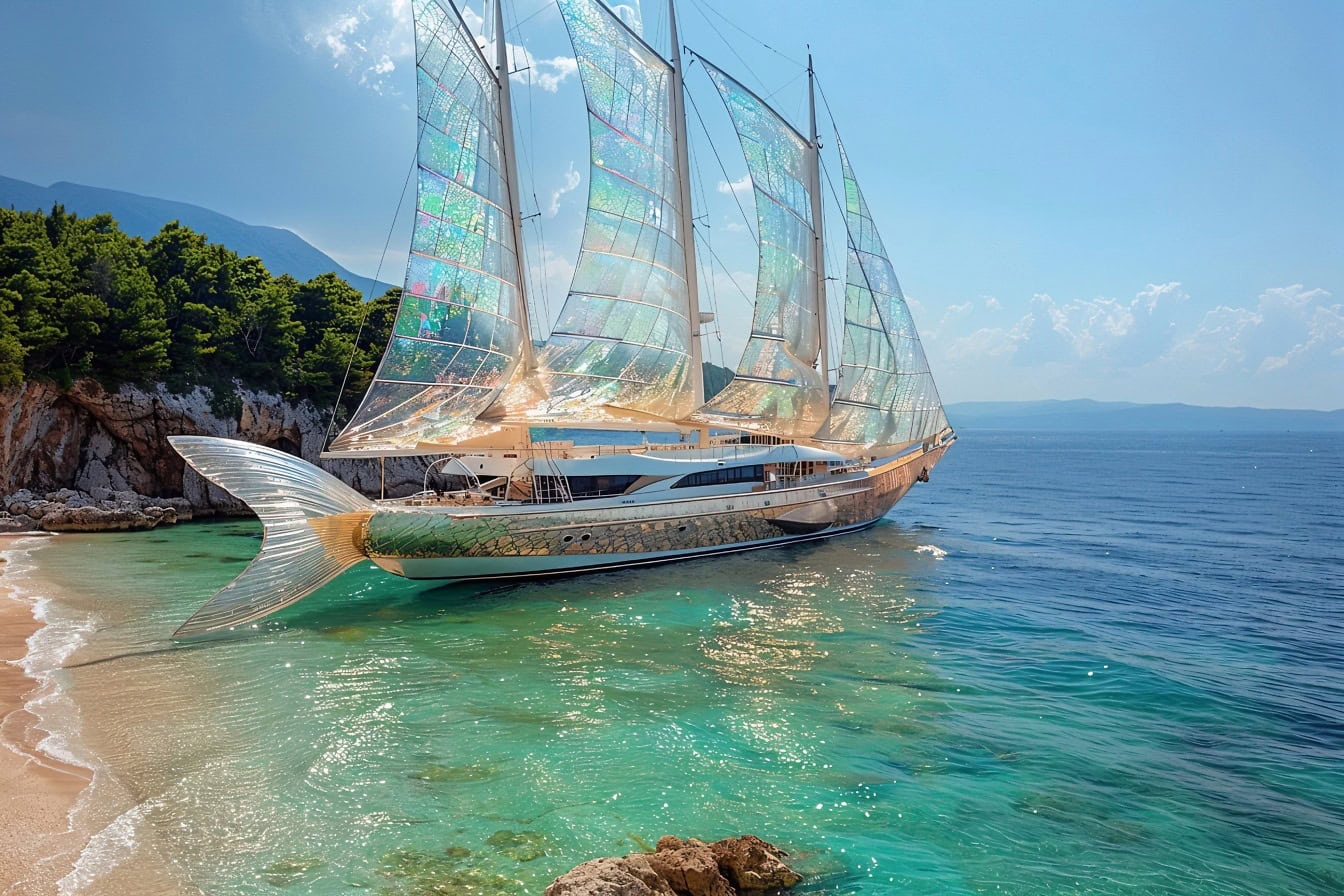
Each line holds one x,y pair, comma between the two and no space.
89,459
731,867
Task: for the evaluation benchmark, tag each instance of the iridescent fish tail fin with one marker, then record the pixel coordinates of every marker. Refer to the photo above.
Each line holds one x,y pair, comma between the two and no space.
313,528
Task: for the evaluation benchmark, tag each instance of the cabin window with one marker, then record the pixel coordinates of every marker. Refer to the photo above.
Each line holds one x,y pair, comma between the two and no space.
591,486
722,476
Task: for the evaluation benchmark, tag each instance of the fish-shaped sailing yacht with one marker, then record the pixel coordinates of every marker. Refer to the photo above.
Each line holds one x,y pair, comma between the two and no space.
777,457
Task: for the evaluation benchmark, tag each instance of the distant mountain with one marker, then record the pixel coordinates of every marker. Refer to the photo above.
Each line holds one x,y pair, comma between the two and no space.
1121,416
716,378
282,251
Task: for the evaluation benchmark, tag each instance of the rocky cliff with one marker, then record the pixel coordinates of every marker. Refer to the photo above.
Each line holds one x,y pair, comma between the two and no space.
109,450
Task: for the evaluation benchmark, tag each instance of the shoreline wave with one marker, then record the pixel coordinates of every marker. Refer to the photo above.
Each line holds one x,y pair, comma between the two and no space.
52,737
53,641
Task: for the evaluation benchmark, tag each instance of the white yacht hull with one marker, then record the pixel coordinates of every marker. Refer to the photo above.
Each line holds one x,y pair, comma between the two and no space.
316,527
525,541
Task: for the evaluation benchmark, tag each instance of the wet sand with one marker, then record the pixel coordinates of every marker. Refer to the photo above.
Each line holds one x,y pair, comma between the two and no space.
37,792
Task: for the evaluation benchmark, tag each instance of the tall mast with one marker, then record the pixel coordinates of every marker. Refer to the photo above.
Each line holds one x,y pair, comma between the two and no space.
683,173
511,179
818,256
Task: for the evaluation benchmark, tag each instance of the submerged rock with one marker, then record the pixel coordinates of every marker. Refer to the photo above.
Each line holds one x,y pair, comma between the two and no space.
289,871
415,872
521,846
729,867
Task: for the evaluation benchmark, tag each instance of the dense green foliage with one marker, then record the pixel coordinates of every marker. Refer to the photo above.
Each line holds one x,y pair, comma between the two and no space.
80,298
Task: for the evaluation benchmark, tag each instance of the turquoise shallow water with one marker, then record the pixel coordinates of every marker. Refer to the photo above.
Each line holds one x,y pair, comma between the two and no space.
1126,675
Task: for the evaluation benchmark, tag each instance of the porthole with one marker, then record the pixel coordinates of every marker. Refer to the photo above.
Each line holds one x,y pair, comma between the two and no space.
585,536
681,528
567,539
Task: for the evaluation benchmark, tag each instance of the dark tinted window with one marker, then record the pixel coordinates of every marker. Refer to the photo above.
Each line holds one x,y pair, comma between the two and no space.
722,476
592,486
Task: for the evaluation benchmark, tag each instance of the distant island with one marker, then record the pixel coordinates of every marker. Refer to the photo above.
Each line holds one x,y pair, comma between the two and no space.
1085,415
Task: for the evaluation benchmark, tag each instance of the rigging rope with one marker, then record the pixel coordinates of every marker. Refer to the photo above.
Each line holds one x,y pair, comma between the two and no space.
387,243
849,234
726,178
706,262
701,9
529,17
368,302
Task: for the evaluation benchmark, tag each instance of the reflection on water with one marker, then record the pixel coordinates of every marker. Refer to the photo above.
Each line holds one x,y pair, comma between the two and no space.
1051,702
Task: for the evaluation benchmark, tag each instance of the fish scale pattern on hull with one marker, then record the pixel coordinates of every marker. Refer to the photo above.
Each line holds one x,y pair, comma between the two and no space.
601,535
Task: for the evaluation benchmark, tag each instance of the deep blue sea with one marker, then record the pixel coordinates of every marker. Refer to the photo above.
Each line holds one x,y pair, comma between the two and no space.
1070,664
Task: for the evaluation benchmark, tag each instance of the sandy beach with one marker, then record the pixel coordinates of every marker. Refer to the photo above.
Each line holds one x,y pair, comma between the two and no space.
37,847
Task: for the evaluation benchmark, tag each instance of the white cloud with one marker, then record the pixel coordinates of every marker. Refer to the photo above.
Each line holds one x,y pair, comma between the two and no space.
992,304
572,179
740,186
1290,327
548,74
369,40
1219,342
366,42
1283,349
1125,333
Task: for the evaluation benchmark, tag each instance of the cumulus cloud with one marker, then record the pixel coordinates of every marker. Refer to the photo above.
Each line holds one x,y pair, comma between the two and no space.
740,186
572,179
366,42
1289,327
1127,332
548,74
370,40
1283,349
524,68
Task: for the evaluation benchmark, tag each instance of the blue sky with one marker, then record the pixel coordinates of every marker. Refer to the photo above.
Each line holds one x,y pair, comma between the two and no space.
1134,201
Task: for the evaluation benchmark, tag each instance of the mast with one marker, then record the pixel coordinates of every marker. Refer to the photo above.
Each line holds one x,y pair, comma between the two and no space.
511,180
818,255
683,171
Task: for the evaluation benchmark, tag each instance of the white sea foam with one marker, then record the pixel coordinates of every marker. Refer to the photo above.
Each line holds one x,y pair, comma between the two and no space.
62,632
105,850
55,641
932,550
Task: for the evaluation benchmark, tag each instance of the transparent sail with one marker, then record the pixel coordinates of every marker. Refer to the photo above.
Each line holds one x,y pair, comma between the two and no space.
777,389
457,338
620,349
885,395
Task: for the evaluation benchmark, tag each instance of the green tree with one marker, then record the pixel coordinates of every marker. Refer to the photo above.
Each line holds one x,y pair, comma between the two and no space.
80,297
133,339
322,369
12,348
270,335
